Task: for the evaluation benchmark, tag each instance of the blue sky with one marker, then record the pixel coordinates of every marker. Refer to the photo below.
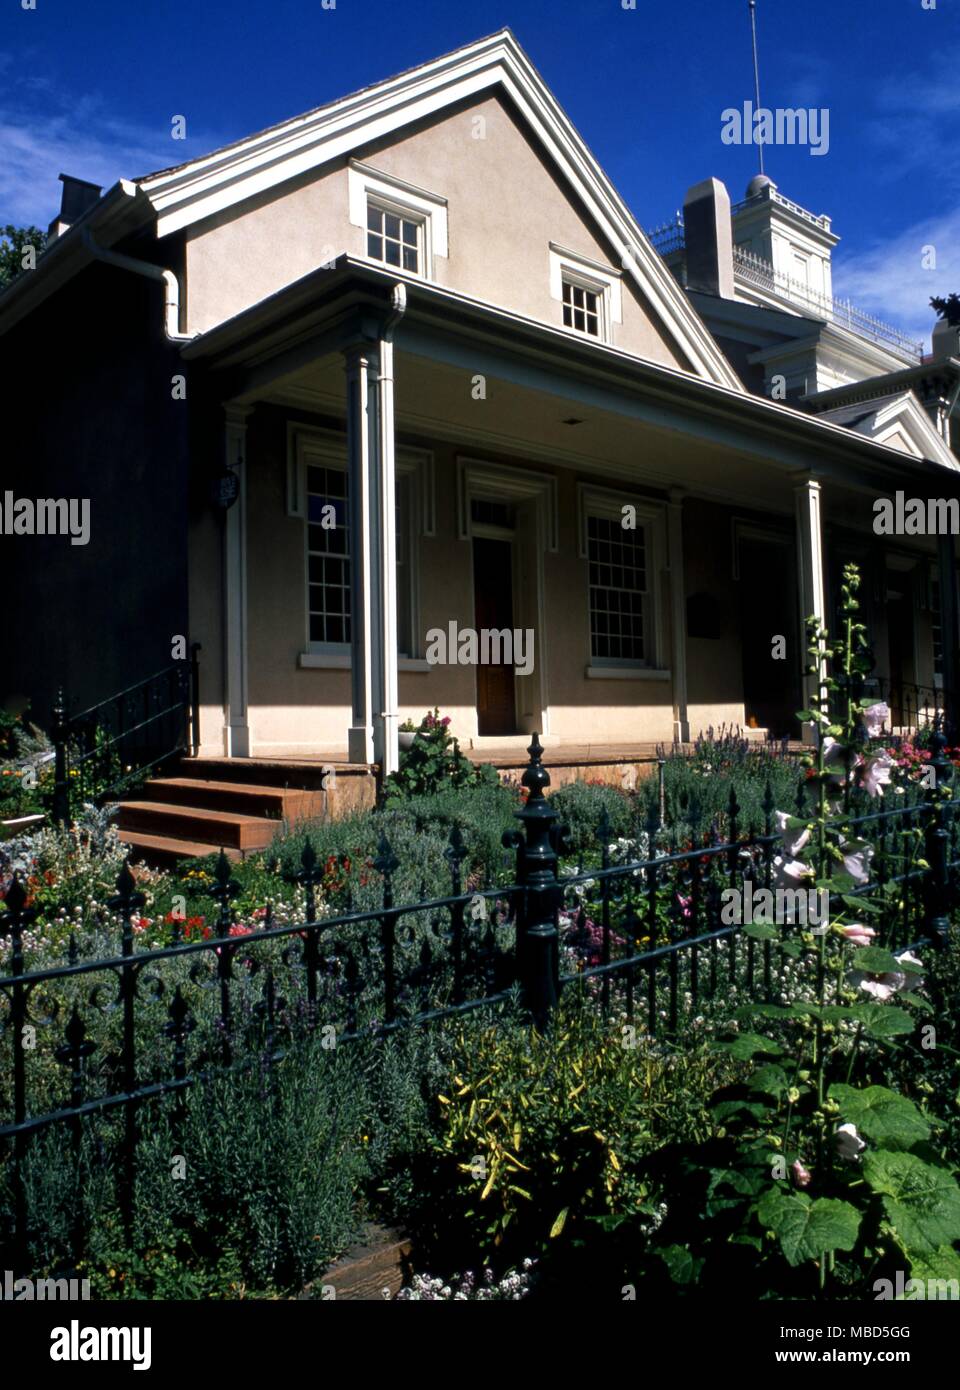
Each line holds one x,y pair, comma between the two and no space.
91,88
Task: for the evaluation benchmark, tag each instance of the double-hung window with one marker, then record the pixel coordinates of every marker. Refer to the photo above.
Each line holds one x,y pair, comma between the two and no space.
619,580
622,540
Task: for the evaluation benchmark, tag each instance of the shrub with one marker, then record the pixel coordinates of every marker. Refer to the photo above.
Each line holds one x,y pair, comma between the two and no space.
580,806
540,1139
435,762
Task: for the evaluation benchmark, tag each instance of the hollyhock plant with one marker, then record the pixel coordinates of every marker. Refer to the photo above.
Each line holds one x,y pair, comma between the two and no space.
875,772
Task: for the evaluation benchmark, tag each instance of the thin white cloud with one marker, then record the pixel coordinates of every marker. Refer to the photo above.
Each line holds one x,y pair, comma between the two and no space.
44,134
892,281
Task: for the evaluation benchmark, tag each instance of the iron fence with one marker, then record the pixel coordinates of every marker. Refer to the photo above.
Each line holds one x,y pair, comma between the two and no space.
111,746
642,932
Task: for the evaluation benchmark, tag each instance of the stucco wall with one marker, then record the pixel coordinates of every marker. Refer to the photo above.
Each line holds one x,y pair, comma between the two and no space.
505,206
298,710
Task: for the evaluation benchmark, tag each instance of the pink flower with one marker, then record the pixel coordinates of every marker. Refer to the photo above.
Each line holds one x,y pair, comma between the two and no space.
858,933
874,718
801,1175
856,860
789,873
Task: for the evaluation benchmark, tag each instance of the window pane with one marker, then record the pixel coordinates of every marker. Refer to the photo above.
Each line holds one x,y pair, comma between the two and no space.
392,256
410,233
374,246
374,218
391,225
410,258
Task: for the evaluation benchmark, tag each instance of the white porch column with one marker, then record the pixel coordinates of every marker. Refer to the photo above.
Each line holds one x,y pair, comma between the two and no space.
372,736
812,587
361,443
236,728
678,612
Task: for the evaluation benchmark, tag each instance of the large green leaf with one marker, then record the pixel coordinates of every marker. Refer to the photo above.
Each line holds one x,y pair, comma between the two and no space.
883,1020
943,1263
807,1229
922,1203
881,1115
876,961
748,1044
683,1267
770,1080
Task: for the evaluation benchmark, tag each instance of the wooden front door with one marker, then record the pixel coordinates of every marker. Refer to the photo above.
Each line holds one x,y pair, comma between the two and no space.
493,608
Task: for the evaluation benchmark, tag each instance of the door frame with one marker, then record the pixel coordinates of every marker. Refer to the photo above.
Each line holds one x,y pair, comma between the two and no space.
495,482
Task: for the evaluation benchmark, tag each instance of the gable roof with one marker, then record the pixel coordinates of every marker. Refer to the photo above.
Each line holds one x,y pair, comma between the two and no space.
887,419
187,193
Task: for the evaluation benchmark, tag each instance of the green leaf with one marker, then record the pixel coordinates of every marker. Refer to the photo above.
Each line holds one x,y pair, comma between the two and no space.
748,1045
876,961
936,1265
558,1225
761,931
808,1229
883,1020
880,1114
861,906
770,1080
755,1109
922,1203
684,1269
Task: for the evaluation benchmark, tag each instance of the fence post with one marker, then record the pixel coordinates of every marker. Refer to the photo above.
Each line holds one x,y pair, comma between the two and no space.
195,650
937,886
61,791
537,935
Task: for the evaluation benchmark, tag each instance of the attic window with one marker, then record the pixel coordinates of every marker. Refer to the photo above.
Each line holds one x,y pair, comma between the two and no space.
394,238
582,308
404,227
589,293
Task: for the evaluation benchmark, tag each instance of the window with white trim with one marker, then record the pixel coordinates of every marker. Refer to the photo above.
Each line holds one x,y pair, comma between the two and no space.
582,308
328,559
394,237
404,226
590,293
620,617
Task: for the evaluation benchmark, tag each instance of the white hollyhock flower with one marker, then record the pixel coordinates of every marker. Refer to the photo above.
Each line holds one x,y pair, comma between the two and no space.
856,860
793,840
848,1142
789,873
876,773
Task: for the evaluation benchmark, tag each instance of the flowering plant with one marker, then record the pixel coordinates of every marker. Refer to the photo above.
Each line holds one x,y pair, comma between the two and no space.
817,1162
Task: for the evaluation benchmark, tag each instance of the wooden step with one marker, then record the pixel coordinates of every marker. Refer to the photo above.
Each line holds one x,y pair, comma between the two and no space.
160,851
227,828
294,774
251,799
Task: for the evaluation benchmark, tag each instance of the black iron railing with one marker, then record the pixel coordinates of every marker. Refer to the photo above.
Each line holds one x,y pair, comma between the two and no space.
111,746
913,707
642,932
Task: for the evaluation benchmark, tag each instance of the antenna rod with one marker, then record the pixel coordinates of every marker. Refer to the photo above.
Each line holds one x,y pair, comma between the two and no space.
756,71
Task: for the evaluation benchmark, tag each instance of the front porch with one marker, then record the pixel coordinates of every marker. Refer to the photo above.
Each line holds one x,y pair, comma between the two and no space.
477,470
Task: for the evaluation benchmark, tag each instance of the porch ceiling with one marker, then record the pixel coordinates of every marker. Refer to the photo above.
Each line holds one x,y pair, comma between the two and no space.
434,401
650,424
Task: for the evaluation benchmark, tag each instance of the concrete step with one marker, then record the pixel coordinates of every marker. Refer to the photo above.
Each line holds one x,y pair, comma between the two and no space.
197,824
160,851
251,799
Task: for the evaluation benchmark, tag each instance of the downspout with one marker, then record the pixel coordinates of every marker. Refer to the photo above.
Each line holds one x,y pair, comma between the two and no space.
171,285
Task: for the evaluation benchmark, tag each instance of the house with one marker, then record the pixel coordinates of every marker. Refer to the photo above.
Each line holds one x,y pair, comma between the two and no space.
406,367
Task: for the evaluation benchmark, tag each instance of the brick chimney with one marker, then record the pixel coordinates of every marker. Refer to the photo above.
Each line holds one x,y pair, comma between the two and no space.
709,239
78,195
